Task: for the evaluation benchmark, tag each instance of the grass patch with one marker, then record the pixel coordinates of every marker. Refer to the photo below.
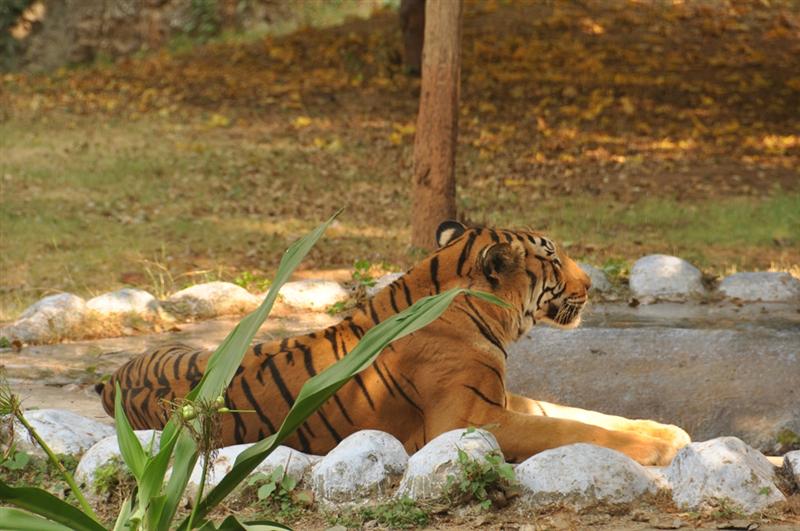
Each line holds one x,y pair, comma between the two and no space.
175,167
89,207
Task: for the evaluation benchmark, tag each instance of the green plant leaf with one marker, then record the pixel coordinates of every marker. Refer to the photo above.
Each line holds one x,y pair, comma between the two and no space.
19,520
155,469
232,524
124,514
44,504
265,490
222,366
185,459
321,387
226,359
17,461
289,483
129,446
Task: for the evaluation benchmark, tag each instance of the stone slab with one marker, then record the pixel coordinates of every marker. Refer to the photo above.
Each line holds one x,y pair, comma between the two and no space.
711,382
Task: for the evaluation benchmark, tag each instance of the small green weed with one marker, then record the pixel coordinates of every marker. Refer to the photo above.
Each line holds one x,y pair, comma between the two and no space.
403,513
113,480
787,441
616,268
362,279
21,468
488,481
278,493
249,281
400,514
361,274
16,460
341,306
725,509
4,342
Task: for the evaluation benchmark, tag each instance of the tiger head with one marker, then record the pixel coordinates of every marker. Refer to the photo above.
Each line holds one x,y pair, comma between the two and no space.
525,268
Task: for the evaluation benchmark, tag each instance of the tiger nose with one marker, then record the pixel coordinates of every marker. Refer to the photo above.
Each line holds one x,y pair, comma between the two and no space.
586,280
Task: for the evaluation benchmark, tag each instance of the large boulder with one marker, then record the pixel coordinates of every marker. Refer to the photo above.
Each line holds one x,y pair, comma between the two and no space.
426,477
583,475
204,301
791,464
124,301
363,467
725,468
313,294
51,319
106,451
294,463
102,473
761,286
64,432
662,276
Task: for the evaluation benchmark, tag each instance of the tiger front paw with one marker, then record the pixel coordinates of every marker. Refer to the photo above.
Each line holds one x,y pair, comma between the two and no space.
669,433
649,451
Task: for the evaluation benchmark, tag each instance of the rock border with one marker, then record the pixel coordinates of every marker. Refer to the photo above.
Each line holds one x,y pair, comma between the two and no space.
124,312
372,467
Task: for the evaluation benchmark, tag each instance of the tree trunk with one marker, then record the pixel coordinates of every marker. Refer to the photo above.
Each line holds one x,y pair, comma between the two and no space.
434,185
412,22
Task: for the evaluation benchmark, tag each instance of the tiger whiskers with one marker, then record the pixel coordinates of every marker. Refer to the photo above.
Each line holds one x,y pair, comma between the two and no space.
568,313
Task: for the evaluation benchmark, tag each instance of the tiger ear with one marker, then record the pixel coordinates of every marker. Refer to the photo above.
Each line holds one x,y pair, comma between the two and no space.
501,258
448,231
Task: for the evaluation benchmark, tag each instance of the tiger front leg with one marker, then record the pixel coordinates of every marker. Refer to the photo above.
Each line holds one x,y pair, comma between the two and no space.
669,433
522,435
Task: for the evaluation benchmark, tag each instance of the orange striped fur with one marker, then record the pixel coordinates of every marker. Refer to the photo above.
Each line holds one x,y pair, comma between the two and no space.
448,375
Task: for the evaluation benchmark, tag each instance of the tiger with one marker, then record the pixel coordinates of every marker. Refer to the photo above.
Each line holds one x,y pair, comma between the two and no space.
448,375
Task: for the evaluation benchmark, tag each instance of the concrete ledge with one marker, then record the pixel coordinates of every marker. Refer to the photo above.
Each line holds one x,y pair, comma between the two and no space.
712,382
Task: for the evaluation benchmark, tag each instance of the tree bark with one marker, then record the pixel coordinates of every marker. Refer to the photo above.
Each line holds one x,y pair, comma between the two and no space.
434,186
412,22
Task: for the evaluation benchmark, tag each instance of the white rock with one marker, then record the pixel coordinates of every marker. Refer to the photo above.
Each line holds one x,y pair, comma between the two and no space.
211,299
363,467
761,286
659,475
429,468
663,276
49,319
64,432
583,475
294,463
126,300
599,280
791,463
106,450
313,294
722,468
382,282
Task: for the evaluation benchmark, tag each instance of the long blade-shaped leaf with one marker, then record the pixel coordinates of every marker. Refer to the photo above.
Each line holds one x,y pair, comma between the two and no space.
45,504
129,445
125,511
185,459
231,523
156,468
19,520
222,366
321,387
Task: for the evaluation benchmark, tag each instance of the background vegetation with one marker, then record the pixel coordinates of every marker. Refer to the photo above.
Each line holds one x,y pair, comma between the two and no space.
618,130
